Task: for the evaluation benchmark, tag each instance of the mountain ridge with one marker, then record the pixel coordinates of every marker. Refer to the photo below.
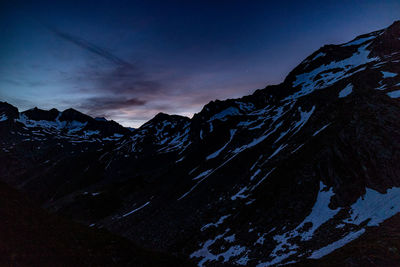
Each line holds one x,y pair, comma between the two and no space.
277,177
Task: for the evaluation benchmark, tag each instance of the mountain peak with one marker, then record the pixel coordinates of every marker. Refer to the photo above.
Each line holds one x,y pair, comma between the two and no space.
8,111
38,114
164,117
395,24
100,119
161,116
74,115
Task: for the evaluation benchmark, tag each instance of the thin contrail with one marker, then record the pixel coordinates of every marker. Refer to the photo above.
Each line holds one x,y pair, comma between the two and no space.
90,47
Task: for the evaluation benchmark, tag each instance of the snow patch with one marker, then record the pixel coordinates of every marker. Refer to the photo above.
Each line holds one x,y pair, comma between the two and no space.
337,244
309,82
220,221
262,179
346,91
277,151
245,106
320,54
3,117
206,255
297,148
205,173
240,194
135,210
71,126
394,94
387,74
216,153
359,41
375,207
225,113
255,174
90,132
320,214
320,130
230,238
304,117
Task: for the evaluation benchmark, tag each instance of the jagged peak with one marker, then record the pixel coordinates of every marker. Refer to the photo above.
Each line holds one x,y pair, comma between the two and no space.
395,24
38,114
71,114
100,119
8,110
160,117
7,105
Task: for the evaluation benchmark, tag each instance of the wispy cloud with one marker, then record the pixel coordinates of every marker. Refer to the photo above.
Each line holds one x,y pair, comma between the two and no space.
125,80
96,104
95,49
134,92
116,86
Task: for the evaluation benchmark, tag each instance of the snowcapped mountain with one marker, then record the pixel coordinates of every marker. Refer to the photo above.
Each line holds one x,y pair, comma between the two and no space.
288,175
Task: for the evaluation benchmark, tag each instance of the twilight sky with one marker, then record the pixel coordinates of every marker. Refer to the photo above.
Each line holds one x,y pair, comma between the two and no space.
128,60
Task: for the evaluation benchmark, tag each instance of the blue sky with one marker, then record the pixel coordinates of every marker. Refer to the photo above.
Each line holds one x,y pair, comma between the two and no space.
128,60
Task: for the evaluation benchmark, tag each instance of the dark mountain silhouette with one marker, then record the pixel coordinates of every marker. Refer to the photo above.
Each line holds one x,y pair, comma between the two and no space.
303,172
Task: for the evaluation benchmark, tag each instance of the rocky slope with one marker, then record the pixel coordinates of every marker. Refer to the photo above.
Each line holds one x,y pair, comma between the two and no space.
286,175
31,236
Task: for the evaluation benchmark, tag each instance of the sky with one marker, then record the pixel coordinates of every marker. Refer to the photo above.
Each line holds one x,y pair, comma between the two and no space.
129,60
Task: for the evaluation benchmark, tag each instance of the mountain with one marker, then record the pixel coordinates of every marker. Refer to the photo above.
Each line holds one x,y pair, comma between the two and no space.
33,237
301,173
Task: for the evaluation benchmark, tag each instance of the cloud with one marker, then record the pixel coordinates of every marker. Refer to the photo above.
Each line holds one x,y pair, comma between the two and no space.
116,86
134,92
102,52
125,80
102,104
122,77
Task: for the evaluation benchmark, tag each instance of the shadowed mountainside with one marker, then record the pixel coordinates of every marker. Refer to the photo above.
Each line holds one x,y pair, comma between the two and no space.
289,174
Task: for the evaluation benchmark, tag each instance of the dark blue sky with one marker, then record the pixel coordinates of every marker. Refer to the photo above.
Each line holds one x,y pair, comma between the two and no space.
128,60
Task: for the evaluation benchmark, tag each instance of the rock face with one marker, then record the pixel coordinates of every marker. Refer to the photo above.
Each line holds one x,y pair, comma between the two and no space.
290,173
